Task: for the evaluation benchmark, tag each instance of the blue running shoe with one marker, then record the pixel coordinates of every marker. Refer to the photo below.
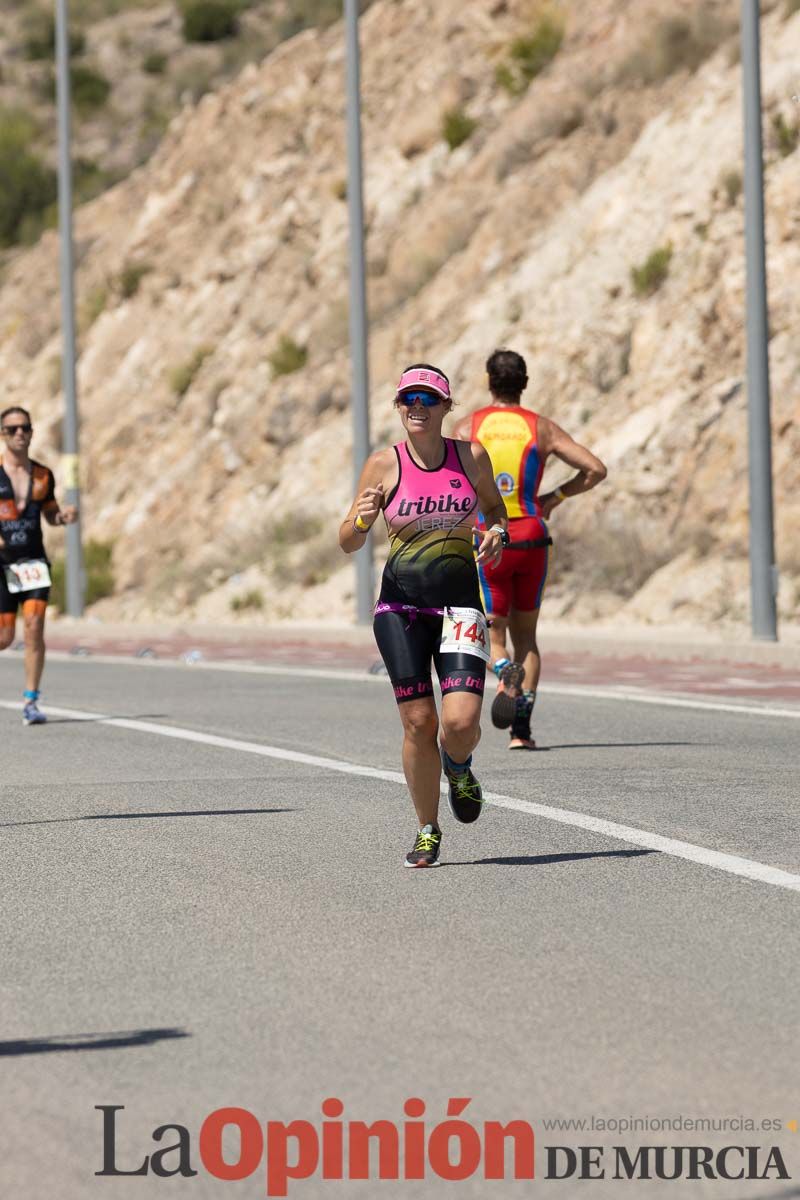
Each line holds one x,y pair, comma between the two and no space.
31,714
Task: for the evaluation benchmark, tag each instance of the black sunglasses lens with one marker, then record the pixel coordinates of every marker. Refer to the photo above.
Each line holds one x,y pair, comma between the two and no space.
17,429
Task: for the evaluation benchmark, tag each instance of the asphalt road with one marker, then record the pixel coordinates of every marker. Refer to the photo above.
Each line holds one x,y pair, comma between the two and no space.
190,925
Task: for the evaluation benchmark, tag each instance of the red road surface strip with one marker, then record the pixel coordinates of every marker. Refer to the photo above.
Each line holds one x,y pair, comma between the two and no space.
695,676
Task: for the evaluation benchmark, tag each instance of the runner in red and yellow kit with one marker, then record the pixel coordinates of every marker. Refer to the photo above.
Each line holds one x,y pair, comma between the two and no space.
519,442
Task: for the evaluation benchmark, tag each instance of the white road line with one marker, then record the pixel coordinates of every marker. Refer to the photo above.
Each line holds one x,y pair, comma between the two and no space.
641,696
624,693
730,863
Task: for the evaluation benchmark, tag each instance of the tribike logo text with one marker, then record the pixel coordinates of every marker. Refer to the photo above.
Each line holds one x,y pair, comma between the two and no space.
426,505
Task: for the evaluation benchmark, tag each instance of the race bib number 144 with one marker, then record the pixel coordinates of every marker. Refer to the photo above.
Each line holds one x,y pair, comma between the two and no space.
464,631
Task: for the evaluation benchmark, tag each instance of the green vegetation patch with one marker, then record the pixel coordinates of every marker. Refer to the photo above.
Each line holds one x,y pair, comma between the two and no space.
89,179
254,599
732,185
786,136
182,377
649,277
90,89
530,53
130,277
154,63
457,127
99,571
287,357
39,32
92,306
210,20
29,186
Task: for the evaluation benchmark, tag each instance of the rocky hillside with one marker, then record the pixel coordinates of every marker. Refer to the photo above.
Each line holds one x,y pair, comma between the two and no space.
563,181
134,64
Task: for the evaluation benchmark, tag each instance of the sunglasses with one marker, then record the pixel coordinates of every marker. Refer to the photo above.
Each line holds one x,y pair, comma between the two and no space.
12,429
428,399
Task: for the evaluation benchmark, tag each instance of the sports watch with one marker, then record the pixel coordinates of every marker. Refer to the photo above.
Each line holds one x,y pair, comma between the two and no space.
504,535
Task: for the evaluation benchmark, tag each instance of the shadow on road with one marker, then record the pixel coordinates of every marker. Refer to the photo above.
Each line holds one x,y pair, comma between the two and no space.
107,717
614,745
139,816
89,1041
785,1195
543,860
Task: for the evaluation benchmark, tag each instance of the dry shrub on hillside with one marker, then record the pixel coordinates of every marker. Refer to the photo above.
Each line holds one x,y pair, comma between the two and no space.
615,554
28,185
302,14
784,136
39,28
678,43
301,549
91,306
130,277
183,376
731,184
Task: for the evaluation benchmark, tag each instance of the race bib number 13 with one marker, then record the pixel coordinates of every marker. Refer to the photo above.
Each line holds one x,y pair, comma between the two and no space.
25,576
464,631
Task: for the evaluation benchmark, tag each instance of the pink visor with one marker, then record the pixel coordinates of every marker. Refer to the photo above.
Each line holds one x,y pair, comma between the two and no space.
422,377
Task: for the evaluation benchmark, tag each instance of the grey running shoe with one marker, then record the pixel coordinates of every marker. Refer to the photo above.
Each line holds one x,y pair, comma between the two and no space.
504,705
425,851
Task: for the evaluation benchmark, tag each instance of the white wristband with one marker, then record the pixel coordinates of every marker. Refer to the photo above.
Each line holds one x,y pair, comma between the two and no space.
560,495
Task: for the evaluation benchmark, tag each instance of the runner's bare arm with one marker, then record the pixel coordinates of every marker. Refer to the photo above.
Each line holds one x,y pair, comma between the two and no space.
591,471
491,504
463,429
368,501
60,516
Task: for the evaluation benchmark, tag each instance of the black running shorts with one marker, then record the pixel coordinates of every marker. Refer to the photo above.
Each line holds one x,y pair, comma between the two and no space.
11,601
409,642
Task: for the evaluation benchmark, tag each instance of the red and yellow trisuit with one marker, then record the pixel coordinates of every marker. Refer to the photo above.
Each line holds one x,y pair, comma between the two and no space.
508,433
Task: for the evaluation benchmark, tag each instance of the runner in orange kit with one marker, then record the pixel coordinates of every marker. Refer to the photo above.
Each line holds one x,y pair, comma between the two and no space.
27,492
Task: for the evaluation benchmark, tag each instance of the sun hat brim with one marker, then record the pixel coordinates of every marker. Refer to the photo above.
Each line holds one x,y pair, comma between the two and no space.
421,377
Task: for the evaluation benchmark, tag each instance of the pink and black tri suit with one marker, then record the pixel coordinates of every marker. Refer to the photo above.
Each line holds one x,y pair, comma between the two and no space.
430,514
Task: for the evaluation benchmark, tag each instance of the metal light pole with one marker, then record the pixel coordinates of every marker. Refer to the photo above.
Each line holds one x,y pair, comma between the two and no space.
74,564
358,298
763,571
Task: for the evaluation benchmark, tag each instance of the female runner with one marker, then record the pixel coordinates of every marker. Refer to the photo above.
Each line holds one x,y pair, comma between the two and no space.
431,489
